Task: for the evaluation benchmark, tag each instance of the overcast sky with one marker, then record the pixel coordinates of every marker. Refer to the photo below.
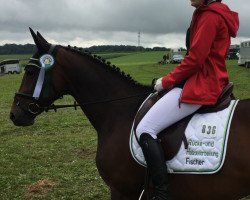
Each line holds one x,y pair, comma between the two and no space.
84,23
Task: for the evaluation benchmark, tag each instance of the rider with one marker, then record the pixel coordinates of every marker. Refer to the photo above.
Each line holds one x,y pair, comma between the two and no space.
198,80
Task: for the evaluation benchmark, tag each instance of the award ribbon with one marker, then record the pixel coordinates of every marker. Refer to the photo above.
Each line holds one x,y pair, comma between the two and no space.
46,61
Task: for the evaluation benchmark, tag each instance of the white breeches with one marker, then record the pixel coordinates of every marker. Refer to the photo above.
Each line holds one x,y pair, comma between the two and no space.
164,113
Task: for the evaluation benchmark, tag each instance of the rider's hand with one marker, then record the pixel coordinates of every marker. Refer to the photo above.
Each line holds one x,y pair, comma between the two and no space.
158,85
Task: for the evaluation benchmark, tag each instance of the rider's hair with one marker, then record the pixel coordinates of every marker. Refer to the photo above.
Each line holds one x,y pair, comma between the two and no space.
206,1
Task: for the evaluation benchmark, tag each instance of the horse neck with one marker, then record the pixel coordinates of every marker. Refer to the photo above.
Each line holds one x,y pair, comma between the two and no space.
92,81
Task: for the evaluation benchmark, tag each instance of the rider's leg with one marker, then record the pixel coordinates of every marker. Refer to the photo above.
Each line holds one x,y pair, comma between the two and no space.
154,156
163,114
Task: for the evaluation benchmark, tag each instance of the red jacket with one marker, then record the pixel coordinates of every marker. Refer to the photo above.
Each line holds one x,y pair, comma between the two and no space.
204,68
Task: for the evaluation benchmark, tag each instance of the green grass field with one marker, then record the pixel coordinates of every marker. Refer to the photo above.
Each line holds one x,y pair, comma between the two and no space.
55,158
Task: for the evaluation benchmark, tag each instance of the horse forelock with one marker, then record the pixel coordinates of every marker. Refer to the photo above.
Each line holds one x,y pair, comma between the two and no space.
106,64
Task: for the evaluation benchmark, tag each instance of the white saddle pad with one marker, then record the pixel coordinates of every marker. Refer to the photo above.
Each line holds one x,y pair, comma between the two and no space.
207,136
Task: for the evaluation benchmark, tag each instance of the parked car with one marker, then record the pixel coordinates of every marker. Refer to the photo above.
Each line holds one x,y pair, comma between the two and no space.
232,56
233,52
177,58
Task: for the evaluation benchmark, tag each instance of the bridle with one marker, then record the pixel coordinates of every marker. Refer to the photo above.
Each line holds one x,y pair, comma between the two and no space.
33,108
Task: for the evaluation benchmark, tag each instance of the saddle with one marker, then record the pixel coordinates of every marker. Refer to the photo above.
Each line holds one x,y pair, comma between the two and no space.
172,137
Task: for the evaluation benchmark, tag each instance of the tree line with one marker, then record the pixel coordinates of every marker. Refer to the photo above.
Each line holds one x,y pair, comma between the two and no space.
17,49
8,49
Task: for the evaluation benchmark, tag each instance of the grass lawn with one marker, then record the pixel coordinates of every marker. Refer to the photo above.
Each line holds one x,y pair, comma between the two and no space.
55,158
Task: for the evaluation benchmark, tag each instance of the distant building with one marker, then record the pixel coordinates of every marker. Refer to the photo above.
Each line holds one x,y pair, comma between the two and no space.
234,46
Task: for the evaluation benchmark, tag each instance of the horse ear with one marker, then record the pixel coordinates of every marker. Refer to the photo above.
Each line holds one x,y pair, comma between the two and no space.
41,45
41,37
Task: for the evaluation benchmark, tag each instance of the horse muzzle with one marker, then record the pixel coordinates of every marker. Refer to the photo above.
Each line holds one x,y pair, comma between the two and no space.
19,117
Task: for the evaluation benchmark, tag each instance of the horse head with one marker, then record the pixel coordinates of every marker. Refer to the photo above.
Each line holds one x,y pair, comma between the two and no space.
40,84
54,71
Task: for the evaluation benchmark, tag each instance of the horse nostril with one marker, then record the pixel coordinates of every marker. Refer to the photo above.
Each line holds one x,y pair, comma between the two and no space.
12,116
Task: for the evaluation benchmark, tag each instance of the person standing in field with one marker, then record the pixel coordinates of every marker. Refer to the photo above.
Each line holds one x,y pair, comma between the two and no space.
198,80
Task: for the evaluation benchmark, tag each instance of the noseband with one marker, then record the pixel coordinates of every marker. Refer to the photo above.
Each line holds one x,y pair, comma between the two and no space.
32,108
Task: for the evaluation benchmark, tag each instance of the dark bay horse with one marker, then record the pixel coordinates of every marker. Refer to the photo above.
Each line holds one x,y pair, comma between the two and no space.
89,79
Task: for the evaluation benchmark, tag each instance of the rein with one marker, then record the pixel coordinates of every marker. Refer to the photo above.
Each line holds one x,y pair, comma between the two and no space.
33,108
75,104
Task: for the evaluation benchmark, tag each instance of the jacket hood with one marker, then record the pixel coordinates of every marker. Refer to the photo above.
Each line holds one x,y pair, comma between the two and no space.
231,18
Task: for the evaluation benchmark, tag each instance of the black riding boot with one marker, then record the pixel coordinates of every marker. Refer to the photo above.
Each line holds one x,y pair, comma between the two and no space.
154,156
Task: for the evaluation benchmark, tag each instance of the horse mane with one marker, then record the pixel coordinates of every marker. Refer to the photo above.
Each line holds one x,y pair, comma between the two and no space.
107,64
